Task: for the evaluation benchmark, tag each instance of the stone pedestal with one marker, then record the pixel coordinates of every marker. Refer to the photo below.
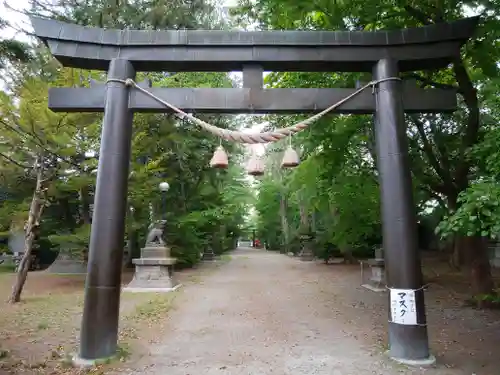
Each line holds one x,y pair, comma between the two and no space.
66,264
208,254
376,281
153,271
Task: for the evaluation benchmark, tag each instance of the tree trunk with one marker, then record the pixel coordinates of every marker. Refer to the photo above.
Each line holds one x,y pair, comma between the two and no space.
304,226
68,217
457,246
85,205
478,264
457,252
35,213
222,234
304,217
313,221
133,249
284,222
472,252
348,257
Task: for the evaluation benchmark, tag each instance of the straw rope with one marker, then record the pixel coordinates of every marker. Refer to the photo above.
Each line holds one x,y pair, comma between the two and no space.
252,138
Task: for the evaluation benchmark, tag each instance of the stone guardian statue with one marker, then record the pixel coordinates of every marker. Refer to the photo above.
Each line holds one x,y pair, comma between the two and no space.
155,234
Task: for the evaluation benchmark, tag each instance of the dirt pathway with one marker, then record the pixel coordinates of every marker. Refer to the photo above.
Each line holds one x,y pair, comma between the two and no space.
262,313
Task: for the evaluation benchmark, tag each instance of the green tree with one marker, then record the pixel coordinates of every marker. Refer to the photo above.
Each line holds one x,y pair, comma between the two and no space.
157,14
40,146
12,50
440,146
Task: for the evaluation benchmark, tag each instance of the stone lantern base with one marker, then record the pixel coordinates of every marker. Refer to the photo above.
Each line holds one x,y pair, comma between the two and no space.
67,265
153,271
306,254
208,254
377,280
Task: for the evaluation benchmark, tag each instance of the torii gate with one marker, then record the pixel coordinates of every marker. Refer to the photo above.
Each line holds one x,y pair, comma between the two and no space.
384,53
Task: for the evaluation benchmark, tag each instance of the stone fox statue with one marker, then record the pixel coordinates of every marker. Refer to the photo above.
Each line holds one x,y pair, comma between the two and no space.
155,235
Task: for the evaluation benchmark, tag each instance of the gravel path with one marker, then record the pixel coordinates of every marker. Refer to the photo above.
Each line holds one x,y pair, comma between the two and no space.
262,313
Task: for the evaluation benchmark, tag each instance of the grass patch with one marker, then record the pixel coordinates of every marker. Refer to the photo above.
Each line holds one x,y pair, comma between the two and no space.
123,351
225,258
42,330
150,308
194,279
156,307
42,325
7,268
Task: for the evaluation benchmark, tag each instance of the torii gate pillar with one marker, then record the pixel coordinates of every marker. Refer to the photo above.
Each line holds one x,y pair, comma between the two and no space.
408,342
103,283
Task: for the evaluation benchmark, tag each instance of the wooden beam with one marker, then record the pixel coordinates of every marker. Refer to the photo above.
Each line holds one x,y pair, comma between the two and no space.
247,100
428,47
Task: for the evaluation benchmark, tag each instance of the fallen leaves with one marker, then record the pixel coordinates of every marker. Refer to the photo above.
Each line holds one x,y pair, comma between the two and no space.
39,334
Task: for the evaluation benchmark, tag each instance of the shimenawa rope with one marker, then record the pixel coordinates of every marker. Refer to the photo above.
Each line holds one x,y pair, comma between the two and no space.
252,138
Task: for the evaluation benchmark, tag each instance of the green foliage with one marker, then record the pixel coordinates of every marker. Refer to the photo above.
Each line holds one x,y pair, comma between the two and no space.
157,14
7,268
12,50
335,185
72,243
492,299
478,213
333,194
356,200
204,207
267,207
454,158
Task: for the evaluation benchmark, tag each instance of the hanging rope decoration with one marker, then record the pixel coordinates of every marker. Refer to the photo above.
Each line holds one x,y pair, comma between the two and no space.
220,159
291,158
255,166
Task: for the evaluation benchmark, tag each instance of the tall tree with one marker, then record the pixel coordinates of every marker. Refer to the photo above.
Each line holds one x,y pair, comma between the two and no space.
11,49
440,146
122,14
41,143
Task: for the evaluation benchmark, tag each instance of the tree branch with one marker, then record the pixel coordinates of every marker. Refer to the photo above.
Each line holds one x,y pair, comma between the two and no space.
418,15
433,185
445,162
429,82
436,196
431,156
471,136
14,161
417,170
38,142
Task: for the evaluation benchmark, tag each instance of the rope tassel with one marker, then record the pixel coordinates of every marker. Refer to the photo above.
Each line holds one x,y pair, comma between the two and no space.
290,158
219,159
255,166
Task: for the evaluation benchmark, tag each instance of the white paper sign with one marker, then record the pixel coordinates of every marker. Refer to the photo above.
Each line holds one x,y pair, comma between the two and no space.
403,309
